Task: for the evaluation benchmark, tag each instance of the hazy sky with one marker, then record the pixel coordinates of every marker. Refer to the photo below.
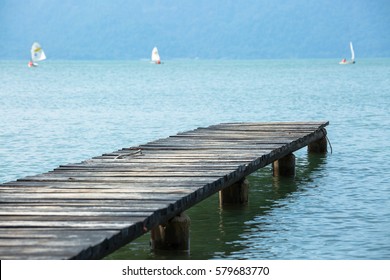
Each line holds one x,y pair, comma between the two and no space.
129,29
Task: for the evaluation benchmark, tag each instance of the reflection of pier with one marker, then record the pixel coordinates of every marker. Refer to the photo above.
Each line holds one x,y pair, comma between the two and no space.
89,209
240,226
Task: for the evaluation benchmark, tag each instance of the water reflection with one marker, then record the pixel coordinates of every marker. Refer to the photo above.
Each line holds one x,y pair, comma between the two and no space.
237,231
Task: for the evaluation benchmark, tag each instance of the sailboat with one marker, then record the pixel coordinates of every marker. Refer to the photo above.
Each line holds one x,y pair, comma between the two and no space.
352,61
155,56
37,54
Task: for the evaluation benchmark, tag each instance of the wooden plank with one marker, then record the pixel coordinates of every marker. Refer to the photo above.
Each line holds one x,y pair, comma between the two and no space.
147,204
211,145
142,168
63,210
150,172
149,152
92,195
15,185
123,188
103,225
145,179
167,160
37,252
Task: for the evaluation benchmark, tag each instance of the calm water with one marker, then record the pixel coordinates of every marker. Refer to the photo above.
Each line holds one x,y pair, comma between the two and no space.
337,207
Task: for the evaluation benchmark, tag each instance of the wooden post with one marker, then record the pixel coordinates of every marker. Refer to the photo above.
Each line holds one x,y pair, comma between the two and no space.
319,146
285,166
174,236
235,194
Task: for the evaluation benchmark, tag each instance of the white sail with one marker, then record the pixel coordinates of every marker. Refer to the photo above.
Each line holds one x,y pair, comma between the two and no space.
37,53
352,61
155,55
352,52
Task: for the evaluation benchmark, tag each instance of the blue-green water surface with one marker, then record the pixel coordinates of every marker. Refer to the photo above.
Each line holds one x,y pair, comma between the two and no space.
338,205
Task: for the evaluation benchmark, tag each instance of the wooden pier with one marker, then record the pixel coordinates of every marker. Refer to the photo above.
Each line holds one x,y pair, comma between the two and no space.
88,210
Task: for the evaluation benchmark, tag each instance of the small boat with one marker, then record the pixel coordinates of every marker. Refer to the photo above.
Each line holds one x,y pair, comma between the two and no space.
155,56
352,61
37,54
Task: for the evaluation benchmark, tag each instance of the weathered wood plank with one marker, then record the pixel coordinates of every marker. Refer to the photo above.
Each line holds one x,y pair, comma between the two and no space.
99,185
146,204
144,179
162,160
103,225
93,195
124,188
73,210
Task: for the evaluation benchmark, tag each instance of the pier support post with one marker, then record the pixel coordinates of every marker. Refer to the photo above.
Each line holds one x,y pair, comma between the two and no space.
173,236
318,147
285,166
235,194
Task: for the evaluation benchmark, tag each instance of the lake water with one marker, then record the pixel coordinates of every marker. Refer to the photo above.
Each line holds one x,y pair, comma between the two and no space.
338,205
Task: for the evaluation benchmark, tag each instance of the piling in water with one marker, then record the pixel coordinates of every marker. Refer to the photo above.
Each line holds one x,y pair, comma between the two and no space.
284,166
235,194
318,147
174,235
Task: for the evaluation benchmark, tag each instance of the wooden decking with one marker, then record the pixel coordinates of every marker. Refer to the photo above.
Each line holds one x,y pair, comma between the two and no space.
89,209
